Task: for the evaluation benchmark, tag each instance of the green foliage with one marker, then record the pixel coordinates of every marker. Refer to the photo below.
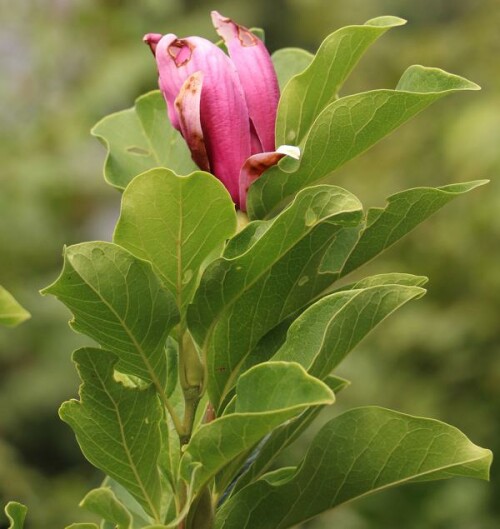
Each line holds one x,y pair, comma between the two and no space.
289,62
269,278
327,331
157,224
118,301
117,428
141,138
266,396
347,127
104,503
16,513
309,93
217,349
11,313
357,453
403,212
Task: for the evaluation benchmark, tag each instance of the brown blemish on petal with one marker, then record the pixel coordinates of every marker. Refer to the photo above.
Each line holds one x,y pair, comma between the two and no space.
228,29
180,51
246,38
191,130
257,164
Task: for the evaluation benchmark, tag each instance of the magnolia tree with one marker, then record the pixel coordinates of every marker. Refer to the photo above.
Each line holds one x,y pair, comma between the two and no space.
221,310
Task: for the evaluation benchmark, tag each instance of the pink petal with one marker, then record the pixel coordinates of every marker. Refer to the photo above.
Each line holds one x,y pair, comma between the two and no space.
256,72
252,169
187,104
223,111
152,39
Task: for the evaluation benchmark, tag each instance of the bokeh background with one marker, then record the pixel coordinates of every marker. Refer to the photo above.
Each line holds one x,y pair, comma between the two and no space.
66,63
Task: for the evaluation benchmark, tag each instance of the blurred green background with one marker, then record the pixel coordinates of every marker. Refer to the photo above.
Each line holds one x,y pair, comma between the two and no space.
67,63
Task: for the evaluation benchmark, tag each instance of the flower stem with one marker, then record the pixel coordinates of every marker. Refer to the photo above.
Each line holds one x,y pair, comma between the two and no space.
191,380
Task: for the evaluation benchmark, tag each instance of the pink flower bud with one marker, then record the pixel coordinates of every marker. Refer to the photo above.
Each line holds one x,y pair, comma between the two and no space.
224,106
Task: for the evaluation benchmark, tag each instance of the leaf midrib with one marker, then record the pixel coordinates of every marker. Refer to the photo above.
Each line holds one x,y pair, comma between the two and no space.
125,444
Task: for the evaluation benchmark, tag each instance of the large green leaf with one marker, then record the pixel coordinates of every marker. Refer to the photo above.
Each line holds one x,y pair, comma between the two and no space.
271,447
11,313
404,211
307,94
289,62
118,301
140,138
266,396
346,128
176,223
243,297
16,514
362,451
327,331
117,427
269,345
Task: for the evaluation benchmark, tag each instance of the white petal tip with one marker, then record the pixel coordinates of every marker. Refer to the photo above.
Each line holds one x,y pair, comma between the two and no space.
289,150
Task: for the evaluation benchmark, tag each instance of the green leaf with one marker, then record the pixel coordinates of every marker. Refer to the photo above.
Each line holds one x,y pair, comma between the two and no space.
346,128
82,525
266,396
11,313
16,514
177,223
118,301
104,503
242,298
327,331
404,211
117,427
140,138
139,516
393,278
289,62
362,451
311,91
270,448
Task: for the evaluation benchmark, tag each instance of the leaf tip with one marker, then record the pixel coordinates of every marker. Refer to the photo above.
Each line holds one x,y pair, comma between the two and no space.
430,80
386,21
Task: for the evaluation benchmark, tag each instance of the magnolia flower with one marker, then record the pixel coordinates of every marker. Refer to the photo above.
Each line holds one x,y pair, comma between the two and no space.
224,106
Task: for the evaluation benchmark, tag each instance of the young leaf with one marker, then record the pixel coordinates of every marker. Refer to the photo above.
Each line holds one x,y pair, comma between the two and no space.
404,211
346,128
289,62
140,138
266,396
16,514
11,313
118,301
104,503
240,299
362,451
117,427
327,331
139,517
176,223
311,91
